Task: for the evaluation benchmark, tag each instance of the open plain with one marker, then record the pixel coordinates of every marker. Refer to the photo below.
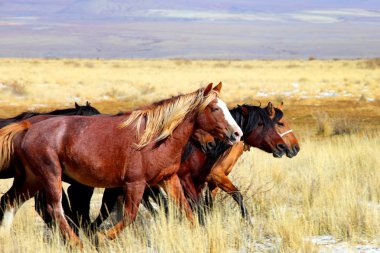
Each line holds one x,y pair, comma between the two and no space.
326,199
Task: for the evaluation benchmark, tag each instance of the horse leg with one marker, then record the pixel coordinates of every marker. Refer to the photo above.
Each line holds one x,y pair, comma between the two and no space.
189,187
133,195
20,192
109,201
80,198
145,200
40,206
210,196
224,183
173,187
53,189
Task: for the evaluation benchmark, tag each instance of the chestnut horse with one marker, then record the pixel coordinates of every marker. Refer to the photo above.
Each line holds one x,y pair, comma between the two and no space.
10,171
80,195
110,151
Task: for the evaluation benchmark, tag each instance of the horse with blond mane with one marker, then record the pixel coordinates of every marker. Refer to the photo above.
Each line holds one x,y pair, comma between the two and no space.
140,148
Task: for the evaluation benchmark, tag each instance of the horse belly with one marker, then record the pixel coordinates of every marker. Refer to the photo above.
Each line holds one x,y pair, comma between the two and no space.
94,176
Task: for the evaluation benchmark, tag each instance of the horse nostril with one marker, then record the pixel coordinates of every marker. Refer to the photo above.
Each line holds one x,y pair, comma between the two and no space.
296,148
236,134
211,145
281,146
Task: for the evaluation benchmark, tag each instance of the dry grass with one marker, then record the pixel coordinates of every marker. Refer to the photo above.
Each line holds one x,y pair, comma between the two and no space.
332,187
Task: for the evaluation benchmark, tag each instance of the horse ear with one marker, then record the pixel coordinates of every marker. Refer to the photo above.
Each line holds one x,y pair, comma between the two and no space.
87,103
281,105
218,87
76,105
207,89
270,109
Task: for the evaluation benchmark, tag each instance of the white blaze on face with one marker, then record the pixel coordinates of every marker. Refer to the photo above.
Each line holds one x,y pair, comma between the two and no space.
8,219
230,120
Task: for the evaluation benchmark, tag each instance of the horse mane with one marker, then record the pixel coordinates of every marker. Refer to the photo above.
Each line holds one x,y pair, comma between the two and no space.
278,115
161,118
255,114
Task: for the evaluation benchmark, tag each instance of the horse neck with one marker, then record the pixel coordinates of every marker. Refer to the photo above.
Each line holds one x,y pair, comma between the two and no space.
181,135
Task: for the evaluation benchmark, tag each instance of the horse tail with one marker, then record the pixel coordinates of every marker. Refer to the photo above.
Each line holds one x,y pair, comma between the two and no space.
7,134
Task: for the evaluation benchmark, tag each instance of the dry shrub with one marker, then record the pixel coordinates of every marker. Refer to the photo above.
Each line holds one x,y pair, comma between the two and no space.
328,126
292,66
89,65
221,65
180,62
72,63
116,65
115,93
16,88
373,63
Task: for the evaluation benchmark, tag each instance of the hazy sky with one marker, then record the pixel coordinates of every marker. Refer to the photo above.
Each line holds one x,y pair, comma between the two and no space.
190,29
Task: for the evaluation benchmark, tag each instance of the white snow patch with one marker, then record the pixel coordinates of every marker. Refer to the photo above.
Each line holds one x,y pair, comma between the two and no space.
262,94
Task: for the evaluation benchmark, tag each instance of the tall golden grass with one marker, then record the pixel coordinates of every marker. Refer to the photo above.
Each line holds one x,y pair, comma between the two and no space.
332,187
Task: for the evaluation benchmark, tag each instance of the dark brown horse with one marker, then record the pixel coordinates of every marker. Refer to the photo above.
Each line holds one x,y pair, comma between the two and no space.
218,177
140,148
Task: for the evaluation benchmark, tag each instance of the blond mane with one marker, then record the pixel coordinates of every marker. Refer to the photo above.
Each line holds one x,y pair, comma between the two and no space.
163,117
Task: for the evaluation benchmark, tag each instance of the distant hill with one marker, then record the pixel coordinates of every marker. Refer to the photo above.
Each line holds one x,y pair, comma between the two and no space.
190,29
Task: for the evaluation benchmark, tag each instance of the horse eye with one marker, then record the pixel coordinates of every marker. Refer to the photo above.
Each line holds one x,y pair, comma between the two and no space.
214,109
260,124
280,123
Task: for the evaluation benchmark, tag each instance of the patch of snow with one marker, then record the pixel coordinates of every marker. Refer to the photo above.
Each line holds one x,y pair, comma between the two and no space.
76,99
262,94
328,94
295,85
322,239
328,244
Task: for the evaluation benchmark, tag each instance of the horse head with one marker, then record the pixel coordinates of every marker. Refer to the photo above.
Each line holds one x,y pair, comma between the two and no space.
85,110
283,129
205,140
259,130
216,119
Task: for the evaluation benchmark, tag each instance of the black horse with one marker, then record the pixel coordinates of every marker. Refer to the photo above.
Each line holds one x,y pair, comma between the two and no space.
85,110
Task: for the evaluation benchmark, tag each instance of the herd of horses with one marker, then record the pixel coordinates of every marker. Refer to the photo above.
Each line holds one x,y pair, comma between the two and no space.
176,147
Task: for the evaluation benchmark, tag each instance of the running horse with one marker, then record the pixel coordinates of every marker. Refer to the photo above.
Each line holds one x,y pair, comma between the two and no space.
9,170
264,128
146,149
218,177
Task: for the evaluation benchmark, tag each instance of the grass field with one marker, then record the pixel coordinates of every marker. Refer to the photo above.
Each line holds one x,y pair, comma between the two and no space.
331,188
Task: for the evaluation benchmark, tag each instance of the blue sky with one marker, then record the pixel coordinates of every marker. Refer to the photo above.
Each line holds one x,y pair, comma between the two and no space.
190,29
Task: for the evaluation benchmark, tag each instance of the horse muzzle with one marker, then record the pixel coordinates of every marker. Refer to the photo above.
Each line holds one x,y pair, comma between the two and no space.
293,151
280,150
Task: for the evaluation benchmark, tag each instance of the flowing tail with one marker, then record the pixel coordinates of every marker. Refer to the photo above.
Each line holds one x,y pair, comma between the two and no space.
7,134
